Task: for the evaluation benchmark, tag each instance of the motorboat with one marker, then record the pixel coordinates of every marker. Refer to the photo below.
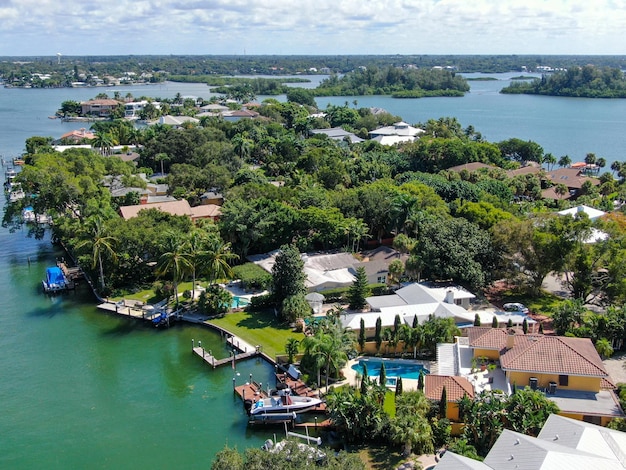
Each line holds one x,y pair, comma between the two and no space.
55,280
281,401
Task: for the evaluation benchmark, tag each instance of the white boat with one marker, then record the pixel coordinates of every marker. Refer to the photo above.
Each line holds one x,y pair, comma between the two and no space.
281,401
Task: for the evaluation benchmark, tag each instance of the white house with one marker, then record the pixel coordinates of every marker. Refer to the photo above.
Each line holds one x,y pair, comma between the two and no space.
414,300
401,131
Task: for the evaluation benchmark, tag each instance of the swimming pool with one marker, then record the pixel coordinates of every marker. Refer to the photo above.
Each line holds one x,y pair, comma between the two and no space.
239,302
393,368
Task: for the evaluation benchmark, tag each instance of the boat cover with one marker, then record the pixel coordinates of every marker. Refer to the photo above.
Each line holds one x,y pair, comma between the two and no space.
54,275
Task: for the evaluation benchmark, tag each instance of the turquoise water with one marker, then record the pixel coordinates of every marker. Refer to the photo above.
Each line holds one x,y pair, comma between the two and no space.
239,302
393,368
84,389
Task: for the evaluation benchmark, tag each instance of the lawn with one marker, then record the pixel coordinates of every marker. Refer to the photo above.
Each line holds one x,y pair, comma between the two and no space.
259,328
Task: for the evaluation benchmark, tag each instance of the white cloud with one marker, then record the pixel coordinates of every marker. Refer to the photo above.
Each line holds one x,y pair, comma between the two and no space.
36,27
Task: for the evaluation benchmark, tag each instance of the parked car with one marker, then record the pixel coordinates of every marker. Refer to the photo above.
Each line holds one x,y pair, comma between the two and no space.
515,307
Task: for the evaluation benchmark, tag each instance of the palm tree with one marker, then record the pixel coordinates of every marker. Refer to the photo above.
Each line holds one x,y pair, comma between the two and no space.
195,248
604,348
173,261
292,347
560,190
242,145
615,167
103,141
162,157
218,255
101,243
550,160
328,348
565,161
410,427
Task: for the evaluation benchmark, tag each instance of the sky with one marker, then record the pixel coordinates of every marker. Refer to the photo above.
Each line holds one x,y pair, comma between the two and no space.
312,27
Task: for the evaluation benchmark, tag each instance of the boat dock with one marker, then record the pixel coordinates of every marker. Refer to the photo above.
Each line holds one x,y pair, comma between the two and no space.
245,352
73,273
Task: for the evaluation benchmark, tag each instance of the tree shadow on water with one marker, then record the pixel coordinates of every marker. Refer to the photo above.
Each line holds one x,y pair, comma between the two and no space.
124,328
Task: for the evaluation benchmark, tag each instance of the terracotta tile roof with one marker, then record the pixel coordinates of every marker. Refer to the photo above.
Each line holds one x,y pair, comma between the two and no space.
210,211
173,207
525,170
456,387
553,355
103,102
607,384
484,337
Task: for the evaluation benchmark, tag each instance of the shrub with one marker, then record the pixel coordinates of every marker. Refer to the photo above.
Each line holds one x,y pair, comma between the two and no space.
253,277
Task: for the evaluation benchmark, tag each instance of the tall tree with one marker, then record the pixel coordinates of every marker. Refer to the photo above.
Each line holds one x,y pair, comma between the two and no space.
288,274
362,337
292,347
359,290
443,404
173,261
378,338
101,244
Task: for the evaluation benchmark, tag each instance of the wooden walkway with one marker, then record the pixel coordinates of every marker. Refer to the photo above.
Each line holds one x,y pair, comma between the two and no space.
212,361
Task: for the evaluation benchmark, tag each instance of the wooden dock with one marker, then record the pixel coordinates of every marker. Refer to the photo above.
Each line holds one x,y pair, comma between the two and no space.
212,361
250,391
73,273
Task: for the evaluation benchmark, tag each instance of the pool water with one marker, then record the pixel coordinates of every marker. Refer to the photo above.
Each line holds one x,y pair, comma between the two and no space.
393,368
239,302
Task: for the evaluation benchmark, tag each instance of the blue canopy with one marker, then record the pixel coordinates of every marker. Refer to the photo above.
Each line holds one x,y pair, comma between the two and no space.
54,275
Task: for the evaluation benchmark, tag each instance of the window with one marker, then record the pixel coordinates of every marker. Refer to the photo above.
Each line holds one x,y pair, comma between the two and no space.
563,380
592,419
382,279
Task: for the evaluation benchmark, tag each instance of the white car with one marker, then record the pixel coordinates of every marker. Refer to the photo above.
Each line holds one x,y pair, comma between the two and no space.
515,307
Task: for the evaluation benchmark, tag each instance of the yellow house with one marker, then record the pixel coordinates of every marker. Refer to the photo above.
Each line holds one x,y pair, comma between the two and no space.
568,370
456,387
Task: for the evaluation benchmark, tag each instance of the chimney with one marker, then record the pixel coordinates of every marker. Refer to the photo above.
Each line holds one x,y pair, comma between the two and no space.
510,339
449,297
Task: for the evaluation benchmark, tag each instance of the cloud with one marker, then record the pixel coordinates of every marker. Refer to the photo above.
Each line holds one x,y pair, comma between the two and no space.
36,27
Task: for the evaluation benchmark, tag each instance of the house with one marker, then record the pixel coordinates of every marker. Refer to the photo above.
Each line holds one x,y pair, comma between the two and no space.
391,140
337,133
473,166
415,300
592,213
572,178
331,270
181,207
77,136
456,388
177,121
562,443
134,108
401,129
100,108
568,370
212,197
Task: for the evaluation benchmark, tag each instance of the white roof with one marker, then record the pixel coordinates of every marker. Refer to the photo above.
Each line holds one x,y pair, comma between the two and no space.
393,139
590,211
585,437
399,128
452,461
513,450
177,120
